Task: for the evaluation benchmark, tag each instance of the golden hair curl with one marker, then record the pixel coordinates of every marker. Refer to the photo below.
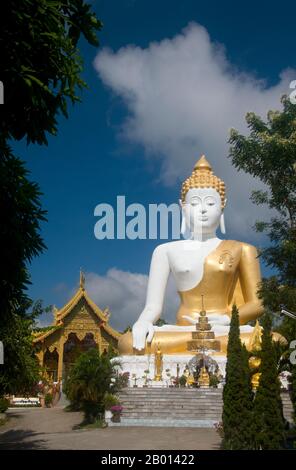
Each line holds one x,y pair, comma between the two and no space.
203,177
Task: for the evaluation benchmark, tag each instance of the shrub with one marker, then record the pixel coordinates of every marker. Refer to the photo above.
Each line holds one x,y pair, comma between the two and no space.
182,380
4,404
237,394
48,399
91,377
214,381
109,401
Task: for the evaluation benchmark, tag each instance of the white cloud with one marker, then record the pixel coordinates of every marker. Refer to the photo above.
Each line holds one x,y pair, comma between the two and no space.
183,96
124,293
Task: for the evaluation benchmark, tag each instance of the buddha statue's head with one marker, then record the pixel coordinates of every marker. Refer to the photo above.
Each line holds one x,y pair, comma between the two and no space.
202,200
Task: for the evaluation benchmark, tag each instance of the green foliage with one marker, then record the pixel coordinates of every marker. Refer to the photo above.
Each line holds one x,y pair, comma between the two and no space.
237,395
182,381
40,67
4,404
21,241
268,412
110,400
269,153
40,63
48,399
20,371
91,377
19,231
214,381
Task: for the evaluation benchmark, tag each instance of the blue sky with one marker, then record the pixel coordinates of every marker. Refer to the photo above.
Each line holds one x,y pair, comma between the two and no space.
229,55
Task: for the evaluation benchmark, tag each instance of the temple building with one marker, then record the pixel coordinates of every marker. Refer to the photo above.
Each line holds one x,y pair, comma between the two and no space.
79,325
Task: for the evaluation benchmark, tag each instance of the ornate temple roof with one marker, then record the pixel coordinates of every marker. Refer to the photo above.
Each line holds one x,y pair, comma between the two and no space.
61,314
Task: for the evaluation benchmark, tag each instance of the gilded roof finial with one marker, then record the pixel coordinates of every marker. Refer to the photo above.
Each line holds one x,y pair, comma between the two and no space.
82,280
107,313
55,311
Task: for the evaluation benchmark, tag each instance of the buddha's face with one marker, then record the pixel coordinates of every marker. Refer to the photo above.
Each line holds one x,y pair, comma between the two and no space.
202,210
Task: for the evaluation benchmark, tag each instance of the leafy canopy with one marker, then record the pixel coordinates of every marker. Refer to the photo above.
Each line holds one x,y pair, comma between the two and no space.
40,63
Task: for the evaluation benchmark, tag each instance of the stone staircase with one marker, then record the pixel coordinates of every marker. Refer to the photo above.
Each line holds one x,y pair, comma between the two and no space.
176,407
170,407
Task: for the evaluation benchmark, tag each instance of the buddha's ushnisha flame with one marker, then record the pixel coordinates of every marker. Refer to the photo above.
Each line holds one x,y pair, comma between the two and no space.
203,177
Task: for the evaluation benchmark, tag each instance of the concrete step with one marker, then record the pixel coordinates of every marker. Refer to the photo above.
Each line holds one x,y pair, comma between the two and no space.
171,423
185,406
213,416
165,391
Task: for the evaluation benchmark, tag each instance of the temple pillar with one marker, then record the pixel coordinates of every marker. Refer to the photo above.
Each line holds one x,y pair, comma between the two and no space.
61,358
40,355
98,340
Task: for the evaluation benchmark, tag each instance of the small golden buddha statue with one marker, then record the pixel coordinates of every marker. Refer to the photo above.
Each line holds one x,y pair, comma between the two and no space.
255,361
221,272
204,378
189,377
158,364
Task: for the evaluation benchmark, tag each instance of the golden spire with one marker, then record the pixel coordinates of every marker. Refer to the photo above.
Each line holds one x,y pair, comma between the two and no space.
202,312
203,177
202,164
255,340
82,280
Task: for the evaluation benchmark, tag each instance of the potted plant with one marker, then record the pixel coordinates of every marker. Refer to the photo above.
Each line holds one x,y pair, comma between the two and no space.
168,374
214,381
173,381
116,413
134,377
219,428
48,400
41,393
109,401
182,381
146,378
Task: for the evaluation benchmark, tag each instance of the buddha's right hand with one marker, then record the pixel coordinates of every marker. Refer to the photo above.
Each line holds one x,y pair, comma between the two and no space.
141,329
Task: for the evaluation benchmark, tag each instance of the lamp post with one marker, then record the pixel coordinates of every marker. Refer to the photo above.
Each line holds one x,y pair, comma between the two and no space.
288,313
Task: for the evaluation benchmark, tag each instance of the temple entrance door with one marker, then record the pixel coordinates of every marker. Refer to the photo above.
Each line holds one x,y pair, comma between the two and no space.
73,347
51,364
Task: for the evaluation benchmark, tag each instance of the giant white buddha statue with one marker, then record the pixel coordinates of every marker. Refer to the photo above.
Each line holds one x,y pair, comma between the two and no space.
211,274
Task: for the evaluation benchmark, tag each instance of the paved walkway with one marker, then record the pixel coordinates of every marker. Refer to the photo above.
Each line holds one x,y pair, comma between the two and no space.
52,428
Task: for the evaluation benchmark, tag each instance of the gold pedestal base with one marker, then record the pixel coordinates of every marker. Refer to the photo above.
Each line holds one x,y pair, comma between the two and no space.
175,342
208,344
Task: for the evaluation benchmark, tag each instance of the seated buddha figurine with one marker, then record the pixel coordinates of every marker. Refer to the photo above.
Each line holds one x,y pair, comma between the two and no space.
210,274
